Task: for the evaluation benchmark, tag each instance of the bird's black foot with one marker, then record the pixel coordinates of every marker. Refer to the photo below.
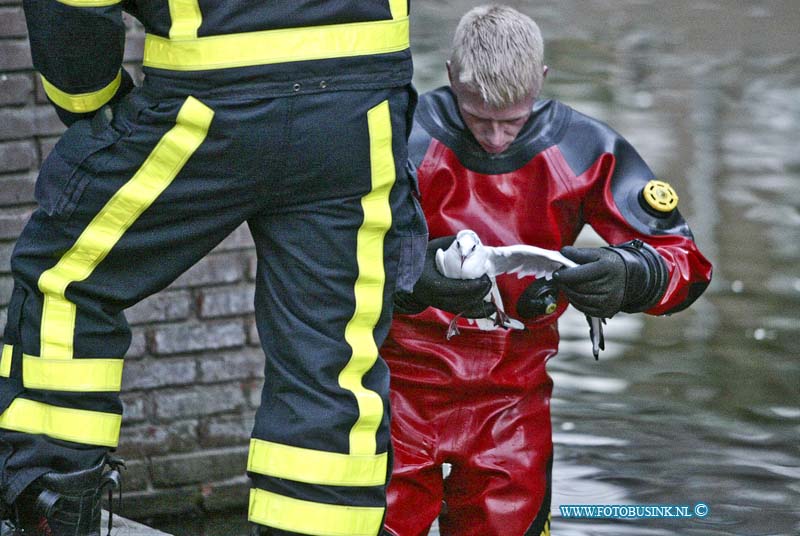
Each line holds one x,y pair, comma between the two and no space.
452,327
501,319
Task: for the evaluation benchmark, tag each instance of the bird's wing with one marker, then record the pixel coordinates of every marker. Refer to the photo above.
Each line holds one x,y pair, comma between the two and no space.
525,260
445,262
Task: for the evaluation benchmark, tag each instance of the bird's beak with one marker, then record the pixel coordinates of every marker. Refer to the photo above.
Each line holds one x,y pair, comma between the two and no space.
463,258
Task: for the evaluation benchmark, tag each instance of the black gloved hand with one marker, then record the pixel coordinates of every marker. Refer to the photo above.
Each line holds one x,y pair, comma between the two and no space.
457,296
630,277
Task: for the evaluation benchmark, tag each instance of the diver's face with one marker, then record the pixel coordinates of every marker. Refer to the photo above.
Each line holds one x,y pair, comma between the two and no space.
494,128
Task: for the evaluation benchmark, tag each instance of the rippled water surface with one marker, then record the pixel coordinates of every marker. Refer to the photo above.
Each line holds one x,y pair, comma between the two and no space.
703,406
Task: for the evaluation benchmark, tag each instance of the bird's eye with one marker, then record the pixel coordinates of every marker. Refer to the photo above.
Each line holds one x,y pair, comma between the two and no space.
473,247
458,244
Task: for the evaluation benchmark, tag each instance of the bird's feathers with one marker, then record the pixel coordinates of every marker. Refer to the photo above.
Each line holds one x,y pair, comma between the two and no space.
468,258
525,260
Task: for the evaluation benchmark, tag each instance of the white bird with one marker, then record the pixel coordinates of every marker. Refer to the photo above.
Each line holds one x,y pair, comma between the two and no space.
468,258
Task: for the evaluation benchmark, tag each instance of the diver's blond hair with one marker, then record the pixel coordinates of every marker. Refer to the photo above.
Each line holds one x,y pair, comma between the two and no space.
499,53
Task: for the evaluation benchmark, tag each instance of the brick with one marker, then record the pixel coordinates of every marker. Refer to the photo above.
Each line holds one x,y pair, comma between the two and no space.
135,407
6,286
138,346
12,22
47,122
148,439
154,373
17,123
252,335
12,220
41,96
193,337
252,267
227,495
227,429
16,89
17,189
213,270
134,46
251,262
5,256
15,156
227,301
15,55
252,391
198,467
136,72
161,307
143,505
210,399
244,364
240,238
135,476
46,145
132,24
28,121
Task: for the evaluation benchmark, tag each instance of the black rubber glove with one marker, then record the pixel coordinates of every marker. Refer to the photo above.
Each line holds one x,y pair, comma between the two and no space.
457,296
630,277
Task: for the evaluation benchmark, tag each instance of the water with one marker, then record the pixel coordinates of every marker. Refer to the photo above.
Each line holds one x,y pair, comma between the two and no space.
703,406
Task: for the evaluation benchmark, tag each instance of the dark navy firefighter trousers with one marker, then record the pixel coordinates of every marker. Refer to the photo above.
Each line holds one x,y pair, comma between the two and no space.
130,200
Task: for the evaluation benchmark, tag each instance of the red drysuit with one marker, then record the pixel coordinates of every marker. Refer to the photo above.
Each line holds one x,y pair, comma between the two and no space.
481,401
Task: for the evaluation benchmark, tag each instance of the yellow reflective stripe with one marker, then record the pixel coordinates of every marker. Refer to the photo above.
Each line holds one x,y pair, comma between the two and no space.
82,102
5,360
105,230
546,529
58,325
89,3
76,425
316,467
370,282
399,8
276,46
307,517
186,19
82,375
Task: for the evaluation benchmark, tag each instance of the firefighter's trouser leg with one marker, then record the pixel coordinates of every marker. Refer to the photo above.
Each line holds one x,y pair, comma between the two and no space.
319,456
113,226
128,204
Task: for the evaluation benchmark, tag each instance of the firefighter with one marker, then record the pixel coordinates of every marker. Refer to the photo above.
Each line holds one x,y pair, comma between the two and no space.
494,158
291,116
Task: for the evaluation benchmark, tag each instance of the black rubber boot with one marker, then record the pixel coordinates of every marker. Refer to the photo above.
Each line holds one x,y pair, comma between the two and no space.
67,504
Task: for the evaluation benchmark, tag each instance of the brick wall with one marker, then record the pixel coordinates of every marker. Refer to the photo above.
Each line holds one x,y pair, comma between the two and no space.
194,370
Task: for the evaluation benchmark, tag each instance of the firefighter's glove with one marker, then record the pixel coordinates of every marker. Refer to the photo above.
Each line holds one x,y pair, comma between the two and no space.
630,277
457,296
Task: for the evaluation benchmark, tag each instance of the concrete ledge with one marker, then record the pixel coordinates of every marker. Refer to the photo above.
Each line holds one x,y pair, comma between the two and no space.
126,527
